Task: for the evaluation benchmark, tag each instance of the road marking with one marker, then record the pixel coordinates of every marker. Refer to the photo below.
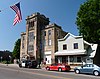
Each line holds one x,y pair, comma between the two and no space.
53,76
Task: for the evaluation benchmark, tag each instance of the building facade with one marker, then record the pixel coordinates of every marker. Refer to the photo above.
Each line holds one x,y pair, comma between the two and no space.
39,42
74,50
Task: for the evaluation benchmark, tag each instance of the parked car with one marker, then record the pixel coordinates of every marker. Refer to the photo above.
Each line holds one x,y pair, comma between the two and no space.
28,64
32,64
23,63
58,67
88,69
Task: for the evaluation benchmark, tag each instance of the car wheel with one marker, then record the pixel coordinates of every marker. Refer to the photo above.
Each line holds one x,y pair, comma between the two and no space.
20,66
77,71
96,73
48,68
28,66
59,69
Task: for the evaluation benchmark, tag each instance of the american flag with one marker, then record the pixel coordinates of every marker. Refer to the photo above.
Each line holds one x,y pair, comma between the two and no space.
18,16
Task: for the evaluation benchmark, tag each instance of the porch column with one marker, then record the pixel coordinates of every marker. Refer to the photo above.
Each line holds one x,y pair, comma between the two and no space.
68,60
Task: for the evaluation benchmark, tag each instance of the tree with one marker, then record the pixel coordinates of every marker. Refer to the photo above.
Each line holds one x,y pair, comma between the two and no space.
88,22
16,50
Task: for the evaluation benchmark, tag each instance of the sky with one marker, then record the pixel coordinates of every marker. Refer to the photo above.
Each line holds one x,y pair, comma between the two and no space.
61,12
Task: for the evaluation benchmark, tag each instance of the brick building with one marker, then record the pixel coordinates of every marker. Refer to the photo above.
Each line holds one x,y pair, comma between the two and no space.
39,42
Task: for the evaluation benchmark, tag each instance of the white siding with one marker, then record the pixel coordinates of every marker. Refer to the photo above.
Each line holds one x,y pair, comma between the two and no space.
70,40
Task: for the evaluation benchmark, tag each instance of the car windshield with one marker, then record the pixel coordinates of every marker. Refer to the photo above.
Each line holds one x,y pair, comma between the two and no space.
54,64
23,61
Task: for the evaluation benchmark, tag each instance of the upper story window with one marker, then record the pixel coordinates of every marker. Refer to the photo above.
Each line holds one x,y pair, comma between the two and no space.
58,33
31,36
44,33
30,47
49,42
49,37
75,45
49,32
64,46
31,24
22,45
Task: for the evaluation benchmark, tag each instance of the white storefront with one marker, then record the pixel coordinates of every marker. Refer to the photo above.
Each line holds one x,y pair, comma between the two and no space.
74,50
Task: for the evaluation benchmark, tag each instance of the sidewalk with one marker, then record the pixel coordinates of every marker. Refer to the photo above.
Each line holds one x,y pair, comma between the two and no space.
16,65
9,65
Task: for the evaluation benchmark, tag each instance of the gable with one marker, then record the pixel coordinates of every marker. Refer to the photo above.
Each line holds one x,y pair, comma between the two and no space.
70,36
70,40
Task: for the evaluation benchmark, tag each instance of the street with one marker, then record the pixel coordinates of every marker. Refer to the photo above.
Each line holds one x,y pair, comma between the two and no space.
7,72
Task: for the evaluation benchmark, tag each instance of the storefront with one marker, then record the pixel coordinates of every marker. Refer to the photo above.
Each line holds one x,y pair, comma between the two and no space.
70,57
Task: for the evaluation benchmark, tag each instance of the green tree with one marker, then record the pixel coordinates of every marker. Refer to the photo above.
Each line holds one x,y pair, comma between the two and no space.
88,22
16,50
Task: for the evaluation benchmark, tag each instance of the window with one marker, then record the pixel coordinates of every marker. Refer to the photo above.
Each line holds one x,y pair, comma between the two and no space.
30,47
79,59
64,59
31,24
49,42
58,33
49,37
91,65
75,45
31,36
64,47
71,58
45,59
22,45
44,33
49,32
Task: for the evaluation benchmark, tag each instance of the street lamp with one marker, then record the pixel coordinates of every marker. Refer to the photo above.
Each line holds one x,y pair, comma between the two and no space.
10,58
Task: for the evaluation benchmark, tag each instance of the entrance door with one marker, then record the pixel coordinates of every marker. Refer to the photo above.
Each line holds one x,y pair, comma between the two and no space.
48,59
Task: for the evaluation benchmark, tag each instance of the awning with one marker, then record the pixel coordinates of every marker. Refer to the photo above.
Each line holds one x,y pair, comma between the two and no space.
76,52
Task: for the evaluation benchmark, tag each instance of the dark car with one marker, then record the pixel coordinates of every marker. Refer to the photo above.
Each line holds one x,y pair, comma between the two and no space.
88,69
58,67
28,64
32,64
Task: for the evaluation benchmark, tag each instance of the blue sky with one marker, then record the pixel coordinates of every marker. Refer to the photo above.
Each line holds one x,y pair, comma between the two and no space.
61,12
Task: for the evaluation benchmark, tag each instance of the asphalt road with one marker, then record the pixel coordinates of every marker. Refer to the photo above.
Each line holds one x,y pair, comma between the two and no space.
7,72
